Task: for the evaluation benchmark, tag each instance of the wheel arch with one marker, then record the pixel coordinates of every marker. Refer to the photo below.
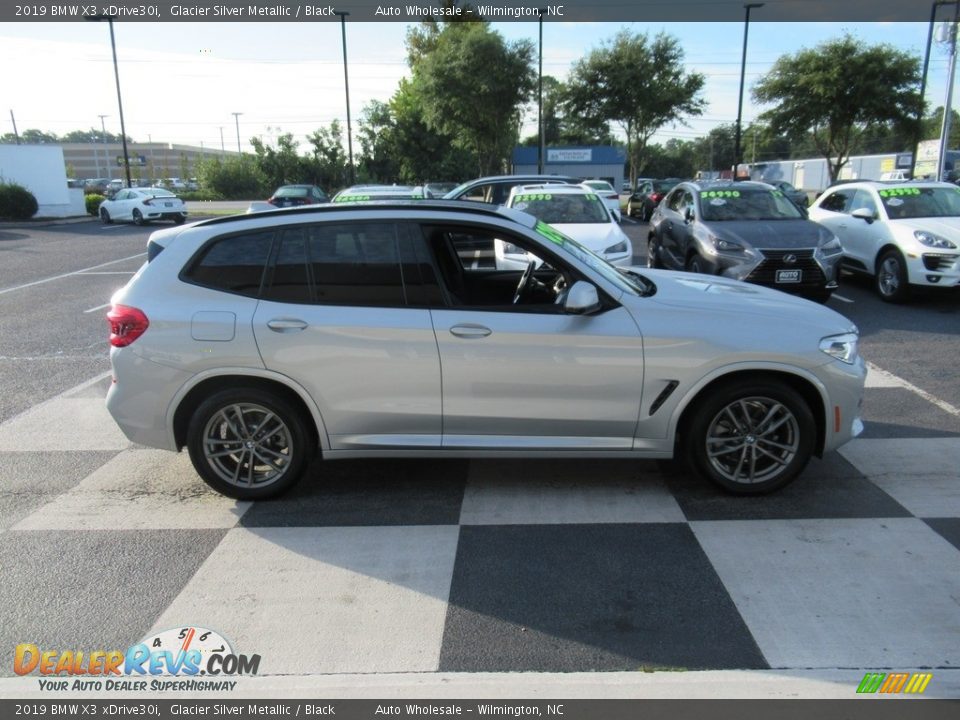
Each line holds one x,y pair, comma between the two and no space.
808,387
201,387
882,250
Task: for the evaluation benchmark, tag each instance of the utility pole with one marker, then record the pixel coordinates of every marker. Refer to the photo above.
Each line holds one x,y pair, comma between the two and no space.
103,138
14,121
948,103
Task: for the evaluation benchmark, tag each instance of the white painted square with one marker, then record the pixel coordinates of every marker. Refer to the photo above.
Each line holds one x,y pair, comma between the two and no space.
922,474
326,600
138,490
509,492
63,424
875,593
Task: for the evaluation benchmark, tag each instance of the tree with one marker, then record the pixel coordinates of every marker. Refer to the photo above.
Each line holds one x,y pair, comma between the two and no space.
279,165
836,92
637,83
473,86
234,178
327,163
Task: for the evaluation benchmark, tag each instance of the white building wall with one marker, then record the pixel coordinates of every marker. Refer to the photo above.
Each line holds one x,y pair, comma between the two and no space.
40,169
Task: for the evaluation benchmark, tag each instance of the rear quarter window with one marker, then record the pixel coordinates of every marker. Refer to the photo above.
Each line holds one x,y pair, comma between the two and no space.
234,264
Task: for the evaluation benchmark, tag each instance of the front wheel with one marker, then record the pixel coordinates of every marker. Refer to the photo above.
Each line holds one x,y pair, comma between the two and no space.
105,216
891,278
695,264
249,444
750,437
653,257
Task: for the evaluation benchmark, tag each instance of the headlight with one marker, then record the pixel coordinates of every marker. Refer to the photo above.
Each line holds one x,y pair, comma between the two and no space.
620,247
842,347
830,247
726,245
931,240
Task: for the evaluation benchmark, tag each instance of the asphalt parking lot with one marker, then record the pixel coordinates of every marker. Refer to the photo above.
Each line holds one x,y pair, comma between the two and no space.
377,576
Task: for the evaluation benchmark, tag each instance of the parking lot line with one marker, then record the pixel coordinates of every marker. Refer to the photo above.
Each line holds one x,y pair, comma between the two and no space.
841,298
98,307
64,275
890,380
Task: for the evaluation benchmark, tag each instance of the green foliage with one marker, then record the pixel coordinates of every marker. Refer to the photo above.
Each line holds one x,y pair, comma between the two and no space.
203,194
837,91
472,86
639,84
93,201
16,202
233,178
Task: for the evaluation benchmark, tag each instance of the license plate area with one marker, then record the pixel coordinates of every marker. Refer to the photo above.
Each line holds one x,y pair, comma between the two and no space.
789,276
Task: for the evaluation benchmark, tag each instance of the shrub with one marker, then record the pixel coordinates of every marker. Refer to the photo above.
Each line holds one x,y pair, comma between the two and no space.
16,202
93,201
199,195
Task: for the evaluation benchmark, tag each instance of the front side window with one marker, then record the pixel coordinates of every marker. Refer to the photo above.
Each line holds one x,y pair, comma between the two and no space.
838,201
233,264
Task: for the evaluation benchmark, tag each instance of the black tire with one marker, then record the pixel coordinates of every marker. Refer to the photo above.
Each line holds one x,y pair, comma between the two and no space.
645,213
179,220
890,279
695,264
761,435
280,453
137,217
105,216
821,296
653,257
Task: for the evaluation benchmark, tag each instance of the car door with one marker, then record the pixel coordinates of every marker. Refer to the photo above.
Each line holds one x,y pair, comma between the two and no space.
833,212
335,318
862,238
673,228
530,376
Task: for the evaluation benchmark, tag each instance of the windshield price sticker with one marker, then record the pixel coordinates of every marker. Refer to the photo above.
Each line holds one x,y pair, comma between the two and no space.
353,198
894,192
720,194
534,197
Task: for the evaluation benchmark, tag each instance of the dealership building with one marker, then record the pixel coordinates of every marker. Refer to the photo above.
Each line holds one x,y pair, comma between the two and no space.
599,161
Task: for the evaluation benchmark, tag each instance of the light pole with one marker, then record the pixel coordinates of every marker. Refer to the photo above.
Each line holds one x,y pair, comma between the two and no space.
948,103
236,118
222,148
116,74
743,72
106,153
918,133
540,95
346,86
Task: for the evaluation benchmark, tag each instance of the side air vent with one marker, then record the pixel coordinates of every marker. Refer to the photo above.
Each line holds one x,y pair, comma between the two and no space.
664,394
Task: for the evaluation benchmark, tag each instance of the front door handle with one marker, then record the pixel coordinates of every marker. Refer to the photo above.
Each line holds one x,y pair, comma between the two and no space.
286,325
470,331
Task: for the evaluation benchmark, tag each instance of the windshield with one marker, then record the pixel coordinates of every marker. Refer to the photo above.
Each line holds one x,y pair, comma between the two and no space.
632,283
747,204
915,202
563,209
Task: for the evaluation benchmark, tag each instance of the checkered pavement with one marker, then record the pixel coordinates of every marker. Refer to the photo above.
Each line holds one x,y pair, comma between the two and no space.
455,566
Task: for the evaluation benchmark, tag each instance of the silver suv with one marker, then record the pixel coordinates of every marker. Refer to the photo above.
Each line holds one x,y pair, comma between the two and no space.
375,330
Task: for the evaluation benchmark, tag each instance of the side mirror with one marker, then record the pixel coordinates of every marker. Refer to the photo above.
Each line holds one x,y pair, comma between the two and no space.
582,299
688,214
864,214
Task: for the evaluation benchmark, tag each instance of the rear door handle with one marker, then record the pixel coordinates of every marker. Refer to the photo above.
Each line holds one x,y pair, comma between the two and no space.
470,331
286,325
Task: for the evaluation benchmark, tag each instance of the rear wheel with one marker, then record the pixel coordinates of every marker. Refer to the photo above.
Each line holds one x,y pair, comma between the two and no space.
249,444
137,217
751,437
179,220
891,277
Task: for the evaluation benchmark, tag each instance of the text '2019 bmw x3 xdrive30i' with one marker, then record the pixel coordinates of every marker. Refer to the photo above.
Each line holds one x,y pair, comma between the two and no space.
378,330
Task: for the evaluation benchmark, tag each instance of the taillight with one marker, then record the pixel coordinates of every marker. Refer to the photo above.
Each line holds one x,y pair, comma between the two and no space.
148,201
656,197
126,325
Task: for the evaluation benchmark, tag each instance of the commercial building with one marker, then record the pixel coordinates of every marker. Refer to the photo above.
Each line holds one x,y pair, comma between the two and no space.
600,161
148,161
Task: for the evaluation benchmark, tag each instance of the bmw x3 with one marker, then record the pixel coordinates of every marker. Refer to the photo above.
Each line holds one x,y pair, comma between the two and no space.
261,341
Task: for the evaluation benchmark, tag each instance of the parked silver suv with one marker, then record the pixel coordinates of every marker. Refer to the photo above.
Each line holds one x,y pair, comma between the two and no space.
371,330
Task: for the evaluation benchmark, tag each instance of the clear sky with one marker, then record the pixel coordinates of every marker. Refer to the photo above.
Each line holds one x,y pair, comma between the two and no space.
181,81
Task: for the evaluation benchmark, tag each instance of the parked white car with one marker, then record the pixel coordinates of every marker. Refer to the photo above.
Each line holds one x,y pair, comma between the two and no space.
607,193
354,330
901,233
142,205
576,211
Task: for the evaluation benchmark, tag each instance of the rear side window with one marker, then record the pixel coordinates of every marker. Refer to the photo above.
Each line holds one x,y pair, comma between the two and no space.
233,264
356,264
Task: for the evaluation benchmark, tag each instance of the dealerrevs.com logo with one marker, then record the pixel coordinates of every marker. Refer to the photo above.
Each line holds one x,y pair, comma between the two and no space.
188,653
